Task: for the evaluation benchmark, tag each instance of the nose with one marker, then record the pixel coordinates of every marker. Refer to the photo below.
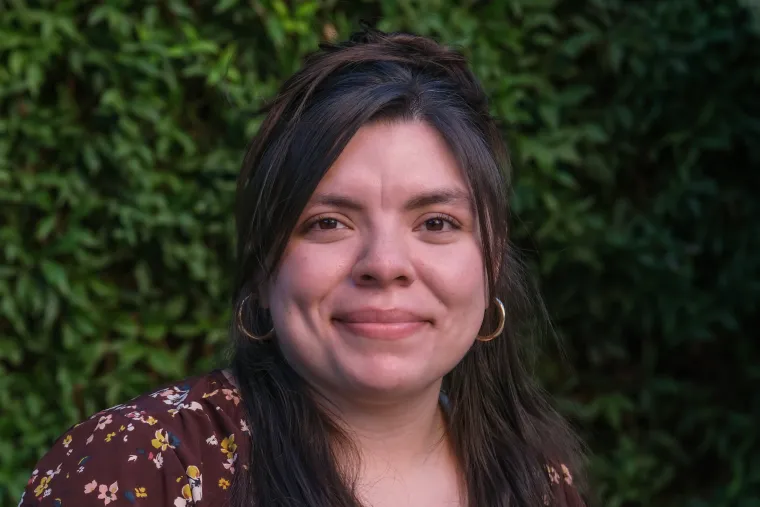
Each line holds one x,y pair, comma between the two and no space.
384,261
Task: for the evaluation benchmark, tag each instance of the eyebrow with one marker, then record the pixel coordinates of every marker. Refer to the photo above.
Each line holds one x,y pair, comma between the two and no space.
441,196
336,201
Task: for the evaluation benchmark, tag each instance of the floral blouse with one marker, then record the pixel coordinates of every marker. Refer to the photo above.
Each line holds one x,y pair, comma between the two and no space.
177,447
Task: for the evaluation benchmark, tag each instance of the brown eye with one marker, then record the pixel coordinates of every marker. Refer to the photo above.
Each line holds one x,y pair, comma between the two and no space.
435,224
440,223
327,223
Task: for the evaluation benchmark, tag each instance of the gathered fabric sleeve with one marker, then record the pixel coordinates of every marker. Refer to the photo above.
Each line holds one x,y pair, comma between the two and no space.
114,457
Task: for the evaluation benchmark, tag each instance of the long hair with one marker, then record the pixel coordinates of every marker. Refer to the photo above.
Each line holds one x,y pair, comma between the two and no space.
501,426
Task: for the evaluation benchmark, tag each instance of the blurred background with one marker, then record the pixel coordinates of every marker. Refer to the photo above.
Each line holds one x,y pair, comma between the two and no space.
635,137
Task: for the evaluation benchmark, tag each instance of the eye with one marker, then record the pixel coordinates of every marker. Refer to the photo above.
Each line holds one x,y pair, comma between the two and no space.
435,224
325,224
441,223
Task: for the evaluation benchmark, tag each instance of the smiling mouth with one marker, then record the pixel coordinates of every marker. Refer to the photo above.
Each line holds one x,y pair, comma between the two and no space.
381,324
383,330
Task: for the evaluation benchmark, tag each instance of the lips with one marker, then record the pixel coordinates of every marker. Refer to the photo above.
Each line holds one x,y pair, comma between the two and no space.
394,324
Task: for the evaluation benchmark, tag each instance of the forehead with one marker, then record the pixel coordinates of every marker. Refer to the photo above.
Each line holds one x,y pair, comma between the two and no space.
394,160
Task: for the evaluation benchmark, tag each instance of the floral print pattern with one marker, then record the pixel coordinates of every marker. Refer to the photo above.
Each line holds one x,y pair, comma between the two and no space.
176,447
135,453
108,493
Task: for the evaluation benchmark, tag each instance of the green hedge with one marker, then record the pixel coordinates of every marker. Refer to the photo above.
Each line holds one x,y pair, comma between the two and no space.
635,130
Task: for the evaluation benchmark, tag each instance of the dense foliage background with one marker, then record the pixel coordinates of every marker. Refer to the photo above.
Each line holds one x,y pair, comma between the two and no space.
635,130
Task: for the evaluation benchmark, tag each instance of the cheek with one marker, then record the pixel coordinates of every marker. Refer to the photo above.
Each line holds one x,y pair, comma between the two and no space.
458,278
302,281
305,276
458,281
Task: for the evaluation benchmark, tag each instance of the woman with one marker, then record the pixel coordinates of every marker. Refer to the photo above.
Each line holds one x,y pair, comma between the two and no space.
380,318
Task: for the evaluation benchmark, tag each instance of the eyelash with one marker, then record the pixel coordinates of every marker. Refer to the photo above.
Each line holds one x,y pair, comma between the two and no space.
314,221
446,218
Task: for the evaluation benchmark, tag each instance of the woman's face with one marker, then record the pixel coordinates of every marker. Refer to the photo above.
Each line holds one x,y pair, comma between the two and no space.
381,288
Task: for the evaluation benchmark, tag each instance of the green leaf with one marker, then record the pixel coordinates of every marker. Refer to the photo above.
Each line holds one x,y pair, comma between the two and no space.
127,325
45,227
55,275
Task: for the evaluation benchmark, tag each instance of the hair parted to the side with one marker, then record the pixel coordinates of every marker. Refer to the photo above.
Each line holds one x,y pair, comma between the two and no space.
502,428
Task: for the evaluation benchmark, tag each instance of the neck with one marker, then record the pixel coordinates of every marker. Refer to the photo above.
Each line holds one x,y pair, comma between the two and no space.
399,432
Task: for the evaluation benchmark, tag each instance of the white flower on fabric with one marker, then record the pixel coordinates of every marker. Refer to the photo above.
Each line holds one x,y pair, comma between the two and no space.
104,421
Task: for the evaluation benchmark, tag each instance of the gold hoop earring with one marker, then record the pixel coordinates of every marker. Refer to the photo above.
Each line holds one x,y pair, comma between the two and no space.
503,314
244,330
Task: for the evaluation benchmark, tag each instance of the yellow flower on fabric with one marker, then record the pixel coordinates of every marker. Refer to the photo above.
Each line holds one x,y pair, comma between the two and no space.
110,436
151,420
224,483
42,486
186,499
161,441
140,493
229,446
67,441
195,481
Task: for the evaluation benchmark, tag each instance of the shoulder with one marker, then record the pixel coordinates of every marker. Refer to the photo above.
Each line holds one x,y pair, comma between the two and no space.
162,447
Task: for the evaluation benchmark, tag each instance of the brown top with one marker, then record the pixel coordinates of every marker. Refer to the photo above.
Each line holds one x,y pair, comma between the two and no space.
175,447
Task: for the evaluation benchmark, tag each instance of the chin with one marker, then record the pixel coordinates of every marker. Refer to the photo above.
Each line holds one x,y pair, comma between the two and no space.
390,378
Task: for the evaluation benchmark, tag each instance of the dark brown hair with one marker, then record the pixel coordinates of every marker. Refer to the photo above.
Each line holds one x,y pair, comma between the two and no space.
502,428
